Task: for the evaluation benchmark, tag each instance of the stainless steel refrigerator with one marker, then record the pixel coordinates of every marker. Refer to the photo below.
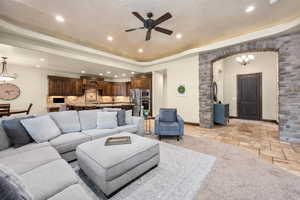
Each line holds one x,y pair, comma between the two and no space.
136,98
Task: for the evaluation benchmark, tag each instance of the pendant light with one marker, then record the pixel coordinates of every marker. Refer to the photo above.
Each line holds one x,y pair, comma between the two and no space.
4,75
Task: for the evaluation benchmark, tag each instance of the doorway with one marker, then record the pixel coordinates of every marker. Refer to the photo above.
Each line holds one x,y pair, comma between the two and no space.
249,96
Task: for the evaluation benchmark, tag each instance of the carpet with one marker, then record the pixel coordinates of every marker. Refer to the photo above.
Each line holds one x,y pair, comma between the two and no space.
239,174
179,176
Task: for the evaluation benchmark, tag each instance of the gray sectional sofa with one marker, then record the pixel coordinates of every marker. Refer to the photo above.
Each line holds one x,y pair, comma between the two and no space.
43,167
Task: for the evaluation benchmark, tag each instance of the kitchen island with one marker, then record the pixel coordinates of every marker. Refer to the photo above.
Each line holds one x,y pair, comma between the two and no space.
89,106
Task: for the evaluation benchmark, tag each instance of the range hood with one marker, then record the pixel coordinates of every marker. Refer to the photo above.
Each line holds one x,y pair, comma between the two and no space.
92,82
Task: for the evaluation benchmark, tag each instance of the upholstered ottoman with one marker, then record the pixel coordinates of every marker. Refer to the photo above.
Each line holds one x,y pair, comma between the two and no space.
112,167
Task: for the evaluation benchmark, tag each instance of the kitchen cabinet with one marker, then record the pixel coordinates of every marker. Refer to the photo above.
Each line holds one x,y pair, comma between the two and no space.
107,89
115,89
142,82
62,86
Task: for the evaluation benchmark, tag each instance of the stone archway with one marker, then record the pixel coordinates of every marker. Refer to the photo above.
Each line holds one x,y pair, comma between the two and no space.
288,48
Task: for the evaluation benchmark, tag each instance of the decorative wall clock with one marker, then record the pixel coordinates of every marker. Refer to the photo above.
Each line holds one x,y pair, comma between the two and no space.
9,91
181,90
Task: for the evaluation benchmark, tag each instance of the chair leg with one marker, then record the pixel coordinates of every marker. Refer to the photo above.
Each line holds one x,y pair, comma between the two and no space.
177,138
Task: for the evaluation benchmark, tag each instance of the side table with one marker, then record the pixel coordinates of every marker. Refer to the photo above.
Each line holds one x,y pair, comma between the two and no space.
148,119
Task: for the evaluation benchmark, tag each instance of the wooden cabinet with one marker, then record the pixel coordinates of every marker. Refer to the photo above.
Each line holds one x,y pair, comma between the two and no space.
61,86
142,82
106,89
115,89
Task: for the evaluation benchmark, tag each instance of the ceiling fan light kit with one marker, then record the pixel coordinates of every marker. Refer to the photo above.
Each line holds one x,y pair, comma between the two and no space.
151,24
4,75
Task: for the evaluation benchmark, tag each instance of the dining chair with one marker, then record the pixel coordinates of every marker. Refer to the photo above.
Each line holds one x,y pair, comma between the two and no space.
4,110
29,108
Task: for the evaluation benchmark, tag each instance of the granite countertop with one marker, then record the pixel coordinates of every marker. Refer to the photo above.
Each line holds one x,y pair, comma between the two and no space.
92,105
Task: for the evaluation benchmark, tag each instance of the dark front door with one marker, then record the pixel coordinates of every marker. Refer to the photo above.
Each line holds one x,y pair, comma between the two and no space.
249,96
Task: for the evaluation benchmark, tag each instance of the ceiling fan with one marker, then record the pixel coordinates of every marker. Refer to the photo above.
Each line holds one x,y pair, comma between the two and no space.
150,24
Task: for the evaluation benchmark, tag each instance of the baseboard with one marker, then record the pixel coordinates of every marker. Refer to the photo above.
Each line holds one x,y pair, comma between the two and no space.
191,123
264,120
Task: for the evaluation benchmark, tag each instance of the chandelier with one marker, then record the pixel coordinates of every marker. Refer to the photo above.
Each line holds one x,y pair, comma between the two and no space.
4,75
245,59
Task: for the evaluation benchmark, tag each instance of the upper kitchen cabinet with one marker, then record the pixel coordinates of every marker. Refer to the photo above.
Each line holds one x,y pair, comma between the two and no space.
62,86
143,81
115,89
92,82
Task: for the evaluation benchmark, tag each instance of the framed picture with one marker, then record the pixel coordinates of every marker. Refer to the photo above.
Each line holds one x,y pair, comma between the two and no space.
181,90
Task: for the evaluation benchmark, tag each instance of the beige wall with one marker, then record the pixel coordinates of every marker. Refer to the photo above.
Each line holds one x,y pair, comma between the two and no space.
185,70
33,83
267,64
158,87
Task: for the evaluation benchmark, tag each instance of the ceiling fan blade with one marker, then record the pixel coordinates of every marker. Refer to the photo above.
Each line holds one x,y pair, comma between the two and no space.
163,30
163,18
138,16
148,36
133,29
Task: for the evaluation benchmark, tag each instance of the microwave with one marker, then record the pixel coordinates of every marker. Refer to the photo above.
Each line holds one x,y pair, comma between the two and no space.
58,100
146,93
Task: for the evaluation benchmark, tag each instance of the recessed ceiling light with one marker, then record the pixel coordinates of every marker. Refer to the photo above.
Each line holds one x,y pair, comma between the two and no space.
82,71
116,76
141,50
178,36
37,66
42,59
59,18
100,74
273,1
110,38
250,9
132,72
108,72
123,74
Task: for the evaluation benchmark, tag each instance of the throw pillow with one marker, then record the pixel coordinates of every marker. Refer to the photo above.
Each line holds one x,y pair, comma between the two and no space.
41,129
16,132
121,116
168,115
11,186
128,118
107,120
4,140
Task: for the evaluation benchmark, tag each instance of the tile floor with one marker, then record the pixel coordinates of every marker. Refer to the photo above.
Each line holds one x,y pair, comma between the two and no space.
260,138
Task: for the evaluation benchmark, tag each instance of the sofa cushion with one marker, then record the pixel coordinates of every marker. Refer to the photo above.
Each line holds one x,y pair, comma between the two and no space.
128,118
99,133
88,119
41,129
107,120
111,109
168,115
12,151
121,116
68,142
4,140
47,180
169,126
11,186
67,121
28,160
74,192
128,128
16,132
115,160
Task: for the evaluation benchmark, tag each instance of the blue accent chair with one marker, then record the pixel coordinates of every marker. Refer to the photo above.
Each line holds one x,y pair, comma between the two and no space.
168,123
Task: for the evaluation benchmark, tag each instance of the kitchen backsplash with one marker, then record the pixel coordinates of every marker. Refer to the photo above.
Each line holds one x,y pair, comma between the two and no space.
81,99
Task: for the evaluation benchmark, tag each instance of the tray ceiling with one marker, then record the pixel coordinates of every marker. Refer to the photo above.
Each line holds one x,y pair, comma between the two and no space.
201,22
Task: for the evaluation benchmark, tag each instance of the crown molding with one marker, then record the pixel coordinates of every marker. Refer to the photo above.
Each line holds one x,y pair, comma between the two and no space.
13,29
